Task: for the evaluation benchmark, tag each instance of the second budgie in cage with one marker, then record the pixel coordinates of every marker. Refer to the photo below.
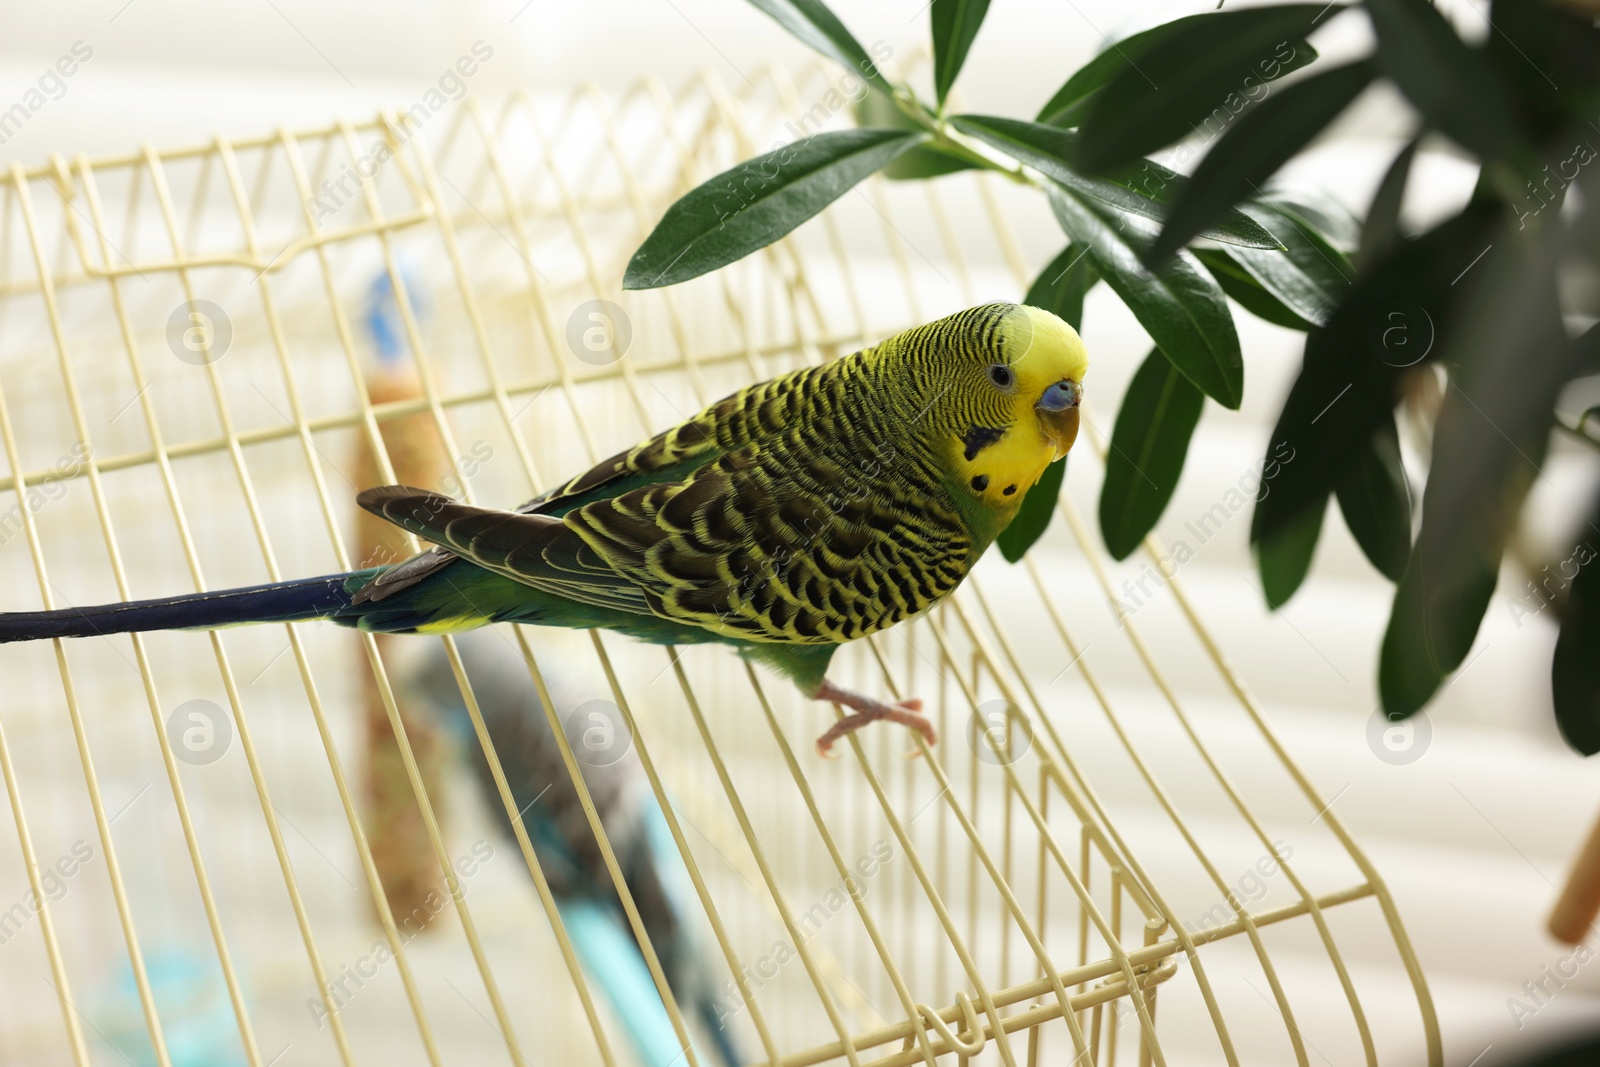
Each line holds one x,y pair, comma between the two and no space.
795,515
198,1026
566,848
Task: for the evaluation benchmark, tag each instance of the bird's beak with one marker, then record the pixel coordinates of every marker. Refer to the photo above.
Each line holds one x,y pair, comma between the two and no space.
1058,414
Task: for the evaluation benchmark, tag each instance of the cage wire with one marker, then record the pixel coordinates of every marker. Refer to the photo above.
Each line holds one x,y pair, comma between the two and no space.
1065,878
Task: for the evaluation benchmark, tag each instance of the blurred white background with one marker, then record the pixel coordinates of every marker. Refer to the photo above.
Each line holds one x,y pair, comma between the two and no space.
1473,836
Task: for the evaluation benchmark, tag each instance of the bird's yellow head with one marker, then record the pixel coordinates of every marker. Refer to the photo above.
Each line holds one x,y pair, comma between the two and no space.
1001,384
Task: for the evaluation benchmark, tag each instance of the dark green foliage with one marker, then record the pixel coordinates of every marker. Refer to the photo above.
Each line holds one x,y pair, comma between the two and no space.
1252,150
1148,445
1061,287
1575,668
1179,82
1180,307
1146,189
757,202
1376,502
955,24
1284,558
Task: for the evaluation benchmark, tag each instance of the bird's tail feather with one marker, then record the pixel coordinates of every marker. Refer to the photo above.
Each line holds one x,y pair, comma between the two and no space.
611,959
308,598
711,1016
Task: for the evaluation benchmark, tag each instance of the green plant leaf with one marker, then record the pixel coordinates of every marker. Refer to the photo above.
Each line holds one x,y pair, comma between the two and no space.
1376,502
1243,289
876,110
1061,286
1457,90
1442,596
1263,139
1350,376
1071,102
926,161
1381,230
1284,558
1510,357
1431,631
1148,446
1575,668
955,24
1180,307
1549,58
1309,278
757,202
1327,217
1147,189
1192,79
813,23
1033,517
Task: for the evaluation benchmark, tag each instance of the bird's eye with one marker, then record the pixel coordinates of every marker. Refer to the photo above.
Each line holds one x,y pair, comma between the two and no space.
1000,376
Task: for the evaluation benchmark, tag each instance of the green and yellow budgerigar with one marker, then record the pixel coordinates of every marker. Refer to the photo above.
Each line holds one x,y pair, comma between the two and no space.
793,516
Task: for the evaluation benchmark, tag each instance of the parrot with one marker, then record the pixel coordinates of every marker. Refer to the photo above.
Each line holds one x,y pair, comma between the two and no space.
198,1026
565,845
816,508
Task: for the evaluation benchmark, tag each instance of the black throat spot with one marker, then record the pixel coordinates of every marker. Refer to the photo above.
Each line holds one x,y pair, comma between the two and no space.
979,438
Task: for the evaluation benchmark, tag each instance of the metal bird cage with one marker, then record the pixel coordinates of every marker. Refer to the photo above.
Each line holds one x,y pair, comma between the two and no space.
1109,858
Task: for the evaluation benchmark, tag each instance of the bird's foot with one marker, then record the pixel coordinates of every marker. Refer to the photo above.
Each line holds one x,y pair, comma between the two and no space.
866,709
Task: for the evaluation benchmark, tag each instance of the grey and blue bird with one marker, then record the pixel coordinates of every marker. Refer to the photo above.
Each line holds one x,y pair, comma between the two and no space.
565,845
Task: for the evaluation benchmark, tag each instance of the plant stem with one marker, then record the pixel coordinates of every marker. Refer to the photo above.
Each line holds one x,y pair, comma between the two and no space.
1579,429
949,142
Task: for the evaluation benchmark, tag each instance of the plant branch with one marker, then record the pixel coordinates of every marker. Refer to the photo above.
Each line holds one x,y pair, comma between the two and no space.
949,141
1581,428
